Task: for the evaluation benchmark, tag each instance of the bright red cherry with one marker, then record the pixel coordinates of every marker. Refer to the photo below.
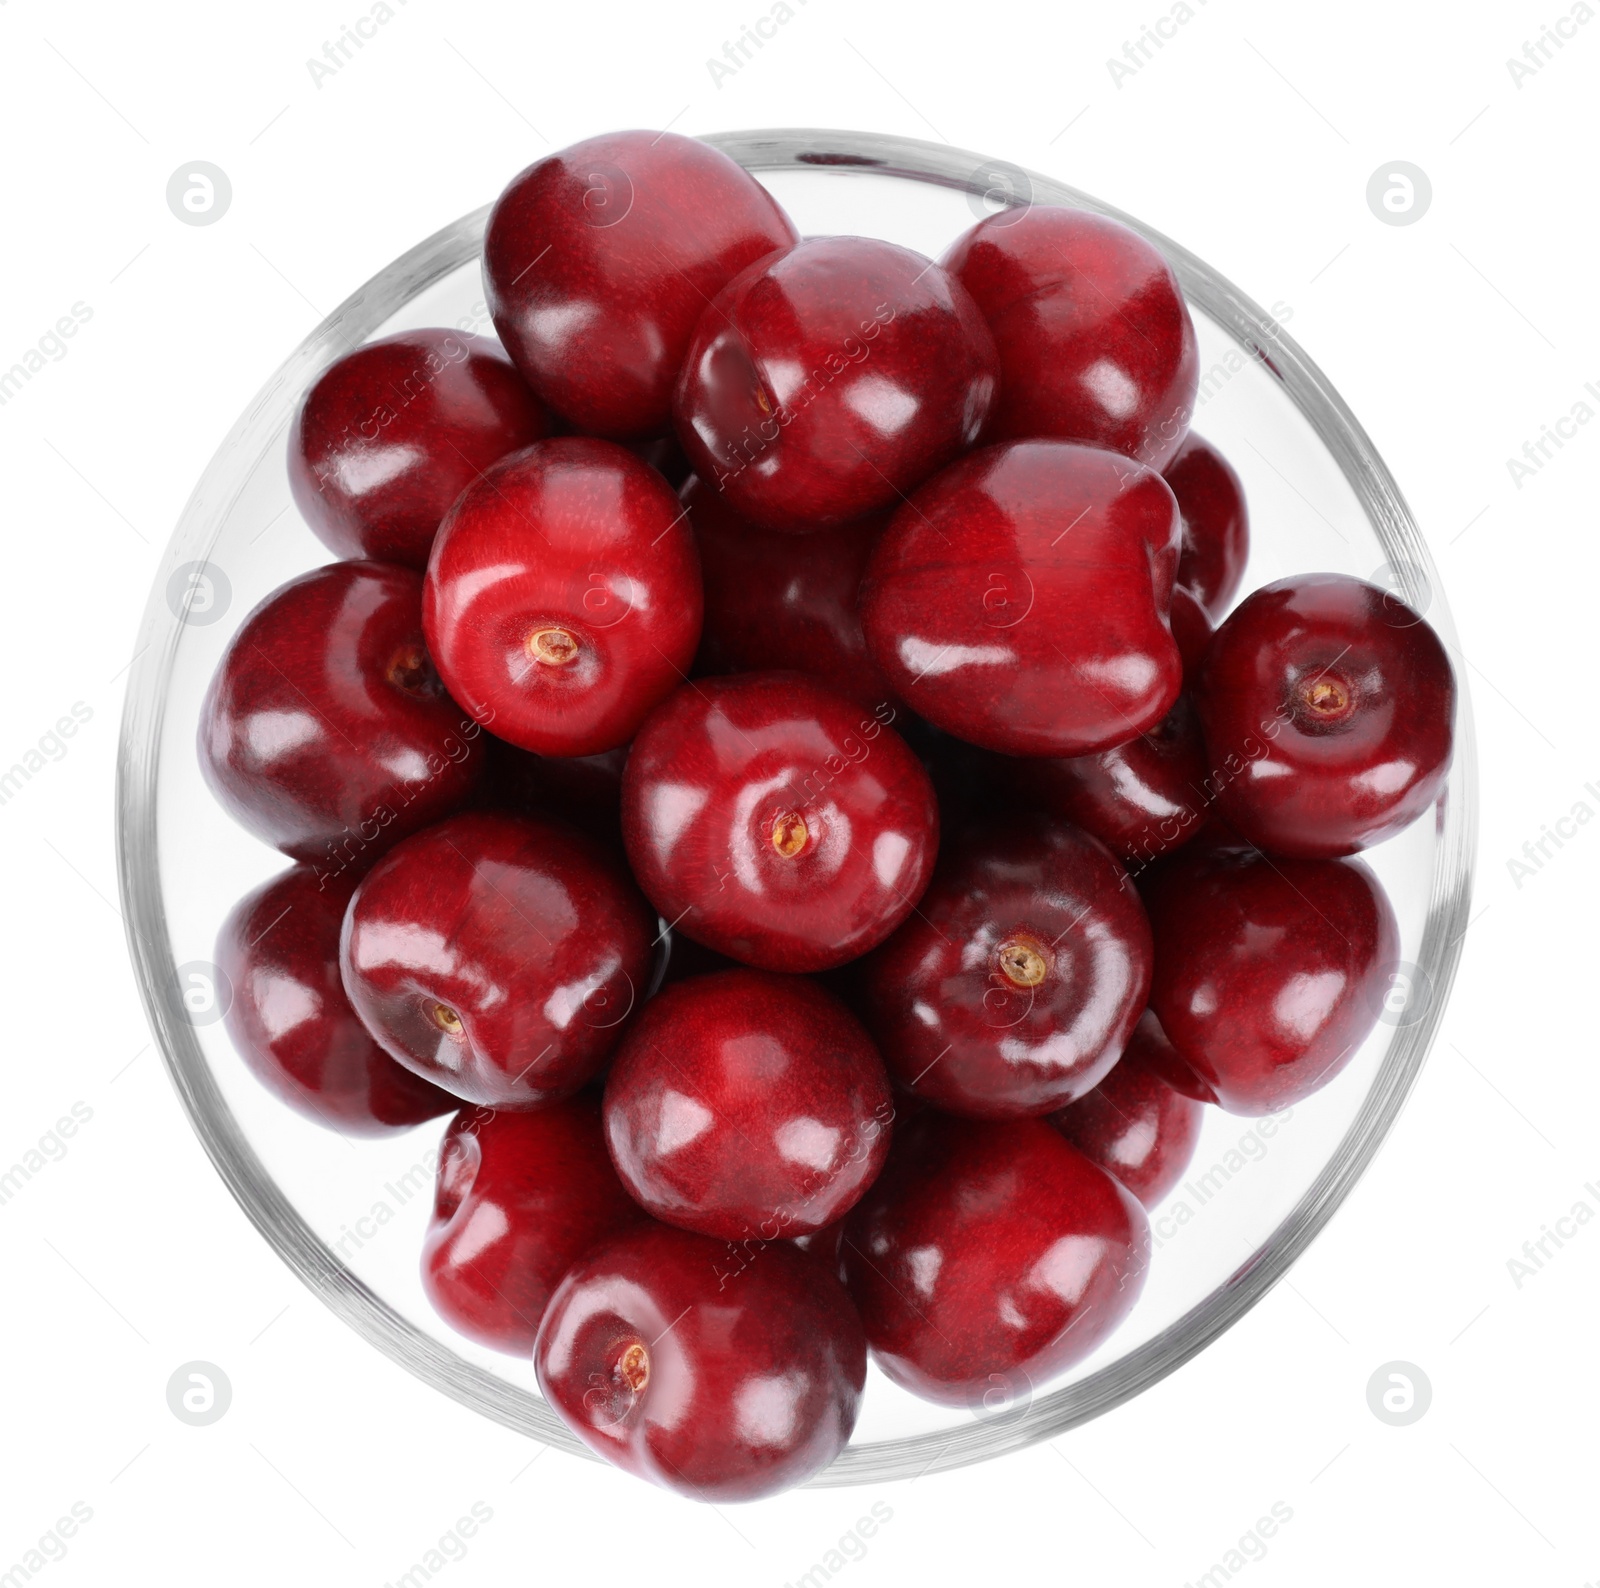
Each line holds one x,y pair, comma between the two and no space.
1095,340
563,596
826,382
499,956
1020,599
599,260
1018,981
990,1257
1269,972
776,821
1216,523
718,1381
774,601
1328,708
291,1022
1135,1124
747,1104
326,730
391,434
520,1197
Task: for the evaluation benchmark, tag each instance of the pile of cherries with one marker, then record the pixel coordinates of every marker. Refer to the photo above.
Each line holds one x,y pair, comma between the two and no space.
766,765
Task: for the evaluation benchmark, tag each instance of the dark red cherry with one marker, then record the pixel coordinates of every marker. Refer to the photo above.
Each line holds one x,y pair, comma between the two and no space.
1020,599
1328,708
326,730
1269,972
1095,340
747,1104
666,457
776,821
1134,1124
1216,523
391,434
599,260
827,381
520,1197
1164,1060
563,596
1192,629
774,601
719,1381
498,956
1018,981
990,1257
289,1017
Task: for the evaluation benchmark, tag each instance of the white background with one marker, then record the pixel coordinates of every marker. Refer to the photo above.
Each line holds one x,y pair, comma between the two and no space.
1250,136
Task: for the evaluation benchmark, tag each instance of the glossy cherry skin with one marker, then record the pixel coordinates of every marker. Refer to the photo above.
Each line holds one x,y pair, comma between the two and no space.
1020,599
1135,1124
747,1104
1328,708
1015,986
600,259
563,596
326,730
778,602
990,1257
1216,523
519,1198
498,956
716,1380
291,1022
1095,340
391,434
826,382
1269,972
776,821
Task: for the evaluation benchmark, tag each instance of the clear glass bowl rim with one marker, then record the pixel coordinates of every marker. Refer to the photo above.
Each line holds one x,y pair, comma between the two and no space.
433,1362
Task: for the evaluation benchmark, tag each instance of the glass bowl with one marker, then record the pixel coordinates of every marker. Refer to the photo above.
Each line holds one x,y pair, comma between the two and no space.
348,1216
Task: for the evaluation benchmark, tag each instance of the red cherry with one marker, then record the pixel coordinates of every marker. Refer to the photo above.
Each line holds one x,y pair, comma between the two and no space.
1328,707
827,381
774,602
1192,629
990,1257
599,259
563,596
520,1197
776,821
1019,979
585,790
1020,599
1134,1124
1216,523
291,1022
718,1381
391,434
747,1104
499,956
326,730
1269,972
1095,340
